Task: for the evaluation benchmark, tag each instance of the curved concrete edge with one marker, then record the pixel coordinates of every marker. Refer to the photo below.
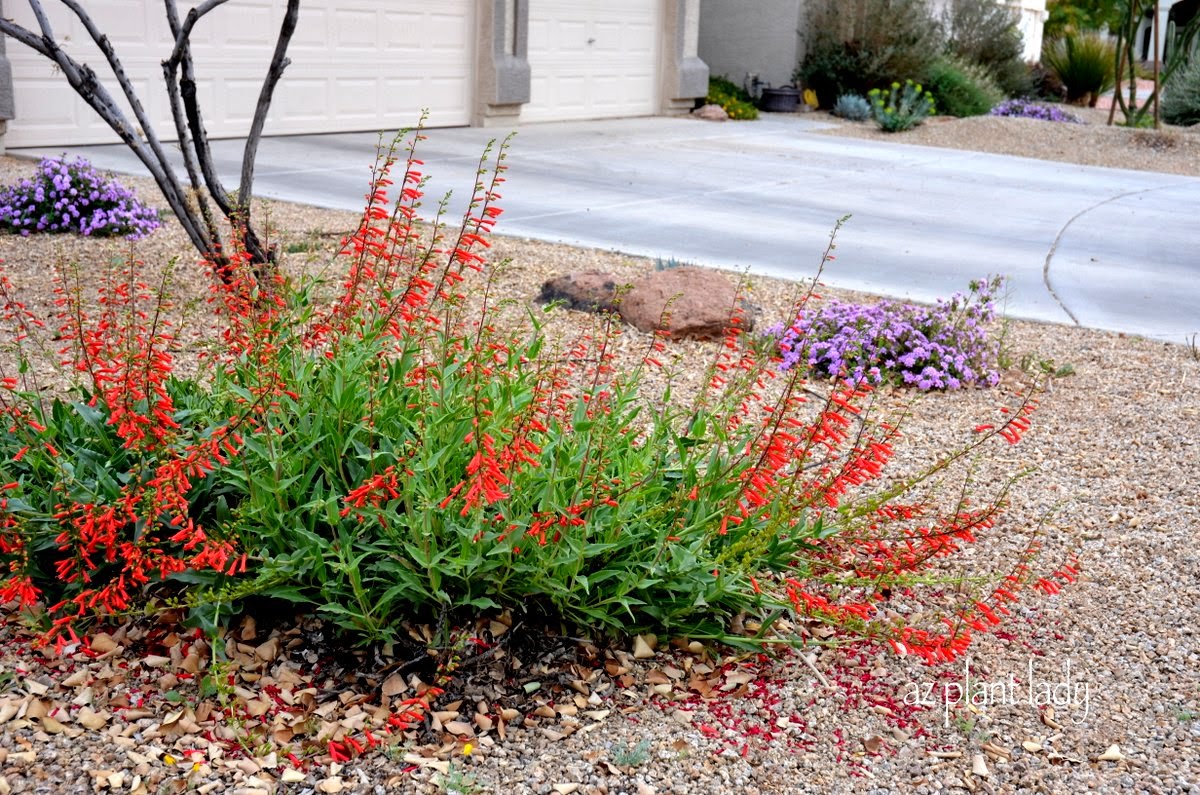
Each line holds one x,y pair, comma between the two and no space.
1130,264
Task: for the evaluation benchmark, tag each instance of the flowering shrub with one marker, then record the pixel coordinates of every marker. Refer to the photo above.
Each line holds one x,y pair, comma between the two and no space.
943,347
732,98
409,448
72,196
901,107
1024,109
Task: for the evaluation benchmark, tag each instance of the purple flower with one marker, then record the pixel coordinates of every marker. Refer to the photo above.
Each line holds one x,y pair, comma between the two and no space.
1024,109
72,196
940,347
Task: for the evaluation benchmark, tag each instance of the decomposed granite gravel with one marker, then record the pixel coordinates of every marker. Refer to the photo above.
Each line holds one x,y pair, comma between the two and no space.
1115,460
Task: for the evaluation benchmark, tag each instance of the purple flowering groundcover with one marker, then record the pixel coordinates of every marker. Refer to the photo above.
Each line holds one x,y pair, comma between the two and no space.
946,346
72,196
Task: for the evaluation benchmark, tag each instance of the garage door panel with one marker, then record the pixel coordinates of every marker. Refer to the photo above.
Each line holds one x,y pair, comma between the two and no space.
592,59
312,31
402,31
250,26
401,96
356,29
58,108
609,38
240,99
124,23
301,100
356,98
447,94
346,58
445,33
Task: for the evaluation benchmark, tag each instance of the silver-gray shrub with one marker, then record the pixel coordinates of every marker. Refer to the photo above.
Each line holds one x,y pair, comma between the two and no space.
1181,96
852,107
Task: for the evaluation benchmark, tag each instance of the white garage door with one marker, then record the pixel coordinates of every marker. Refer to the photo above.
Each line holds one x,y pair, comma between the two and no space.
593,59
356,65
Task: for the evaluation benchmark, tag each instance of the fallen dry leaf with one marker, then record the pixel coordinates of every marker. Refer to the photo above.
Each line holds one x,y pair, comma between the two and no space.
77,679
90,719
657,677
331,785
458,727
995,751
103,643
52,726
424,761
268,651
394,685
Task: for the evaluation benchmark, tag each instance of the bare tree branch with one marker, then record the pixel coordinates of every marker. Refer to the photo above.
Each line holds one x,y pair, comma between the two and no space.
196,215
184,33
279,62
181,127
191,108
26,37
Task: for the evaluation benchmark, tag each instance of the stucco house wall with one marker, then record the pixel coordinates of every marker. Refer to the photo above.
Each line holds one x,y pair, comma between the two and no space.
763,38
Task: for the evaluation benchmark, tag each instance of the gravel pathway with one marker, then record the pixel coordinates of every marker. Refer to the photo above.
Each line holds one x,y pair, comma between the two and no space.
1115,450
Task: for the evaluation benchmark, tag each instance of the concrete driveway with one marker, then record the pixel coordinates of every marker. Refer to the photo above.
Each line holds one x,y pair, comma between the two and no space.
1102,248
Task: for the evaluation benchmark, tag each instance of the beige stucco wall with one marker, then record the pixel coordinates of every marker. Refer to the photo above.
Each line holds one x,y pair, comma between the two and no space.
738,38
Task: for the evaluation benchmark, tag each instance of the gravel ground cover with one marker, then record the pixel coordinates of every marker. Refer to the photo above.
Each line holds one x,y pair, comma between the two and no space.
1095,689
1171,150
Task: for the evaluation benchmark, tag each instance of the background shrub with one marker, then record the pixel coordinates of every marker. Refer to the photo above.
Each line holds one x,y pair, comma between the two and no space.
1181,96
962,89
856,45
71,196
852,107
1085,63
985,32
732,97
1072,16
1044,84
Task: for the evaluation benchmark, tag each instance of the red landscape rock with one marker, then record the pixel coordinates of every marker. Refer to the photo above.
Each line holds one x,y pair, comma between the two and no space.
697,301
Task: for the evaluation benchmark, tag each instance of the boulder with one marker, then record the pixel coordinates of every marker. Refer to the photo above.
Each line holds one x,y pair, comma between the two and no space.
697,302
711,113
591,291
